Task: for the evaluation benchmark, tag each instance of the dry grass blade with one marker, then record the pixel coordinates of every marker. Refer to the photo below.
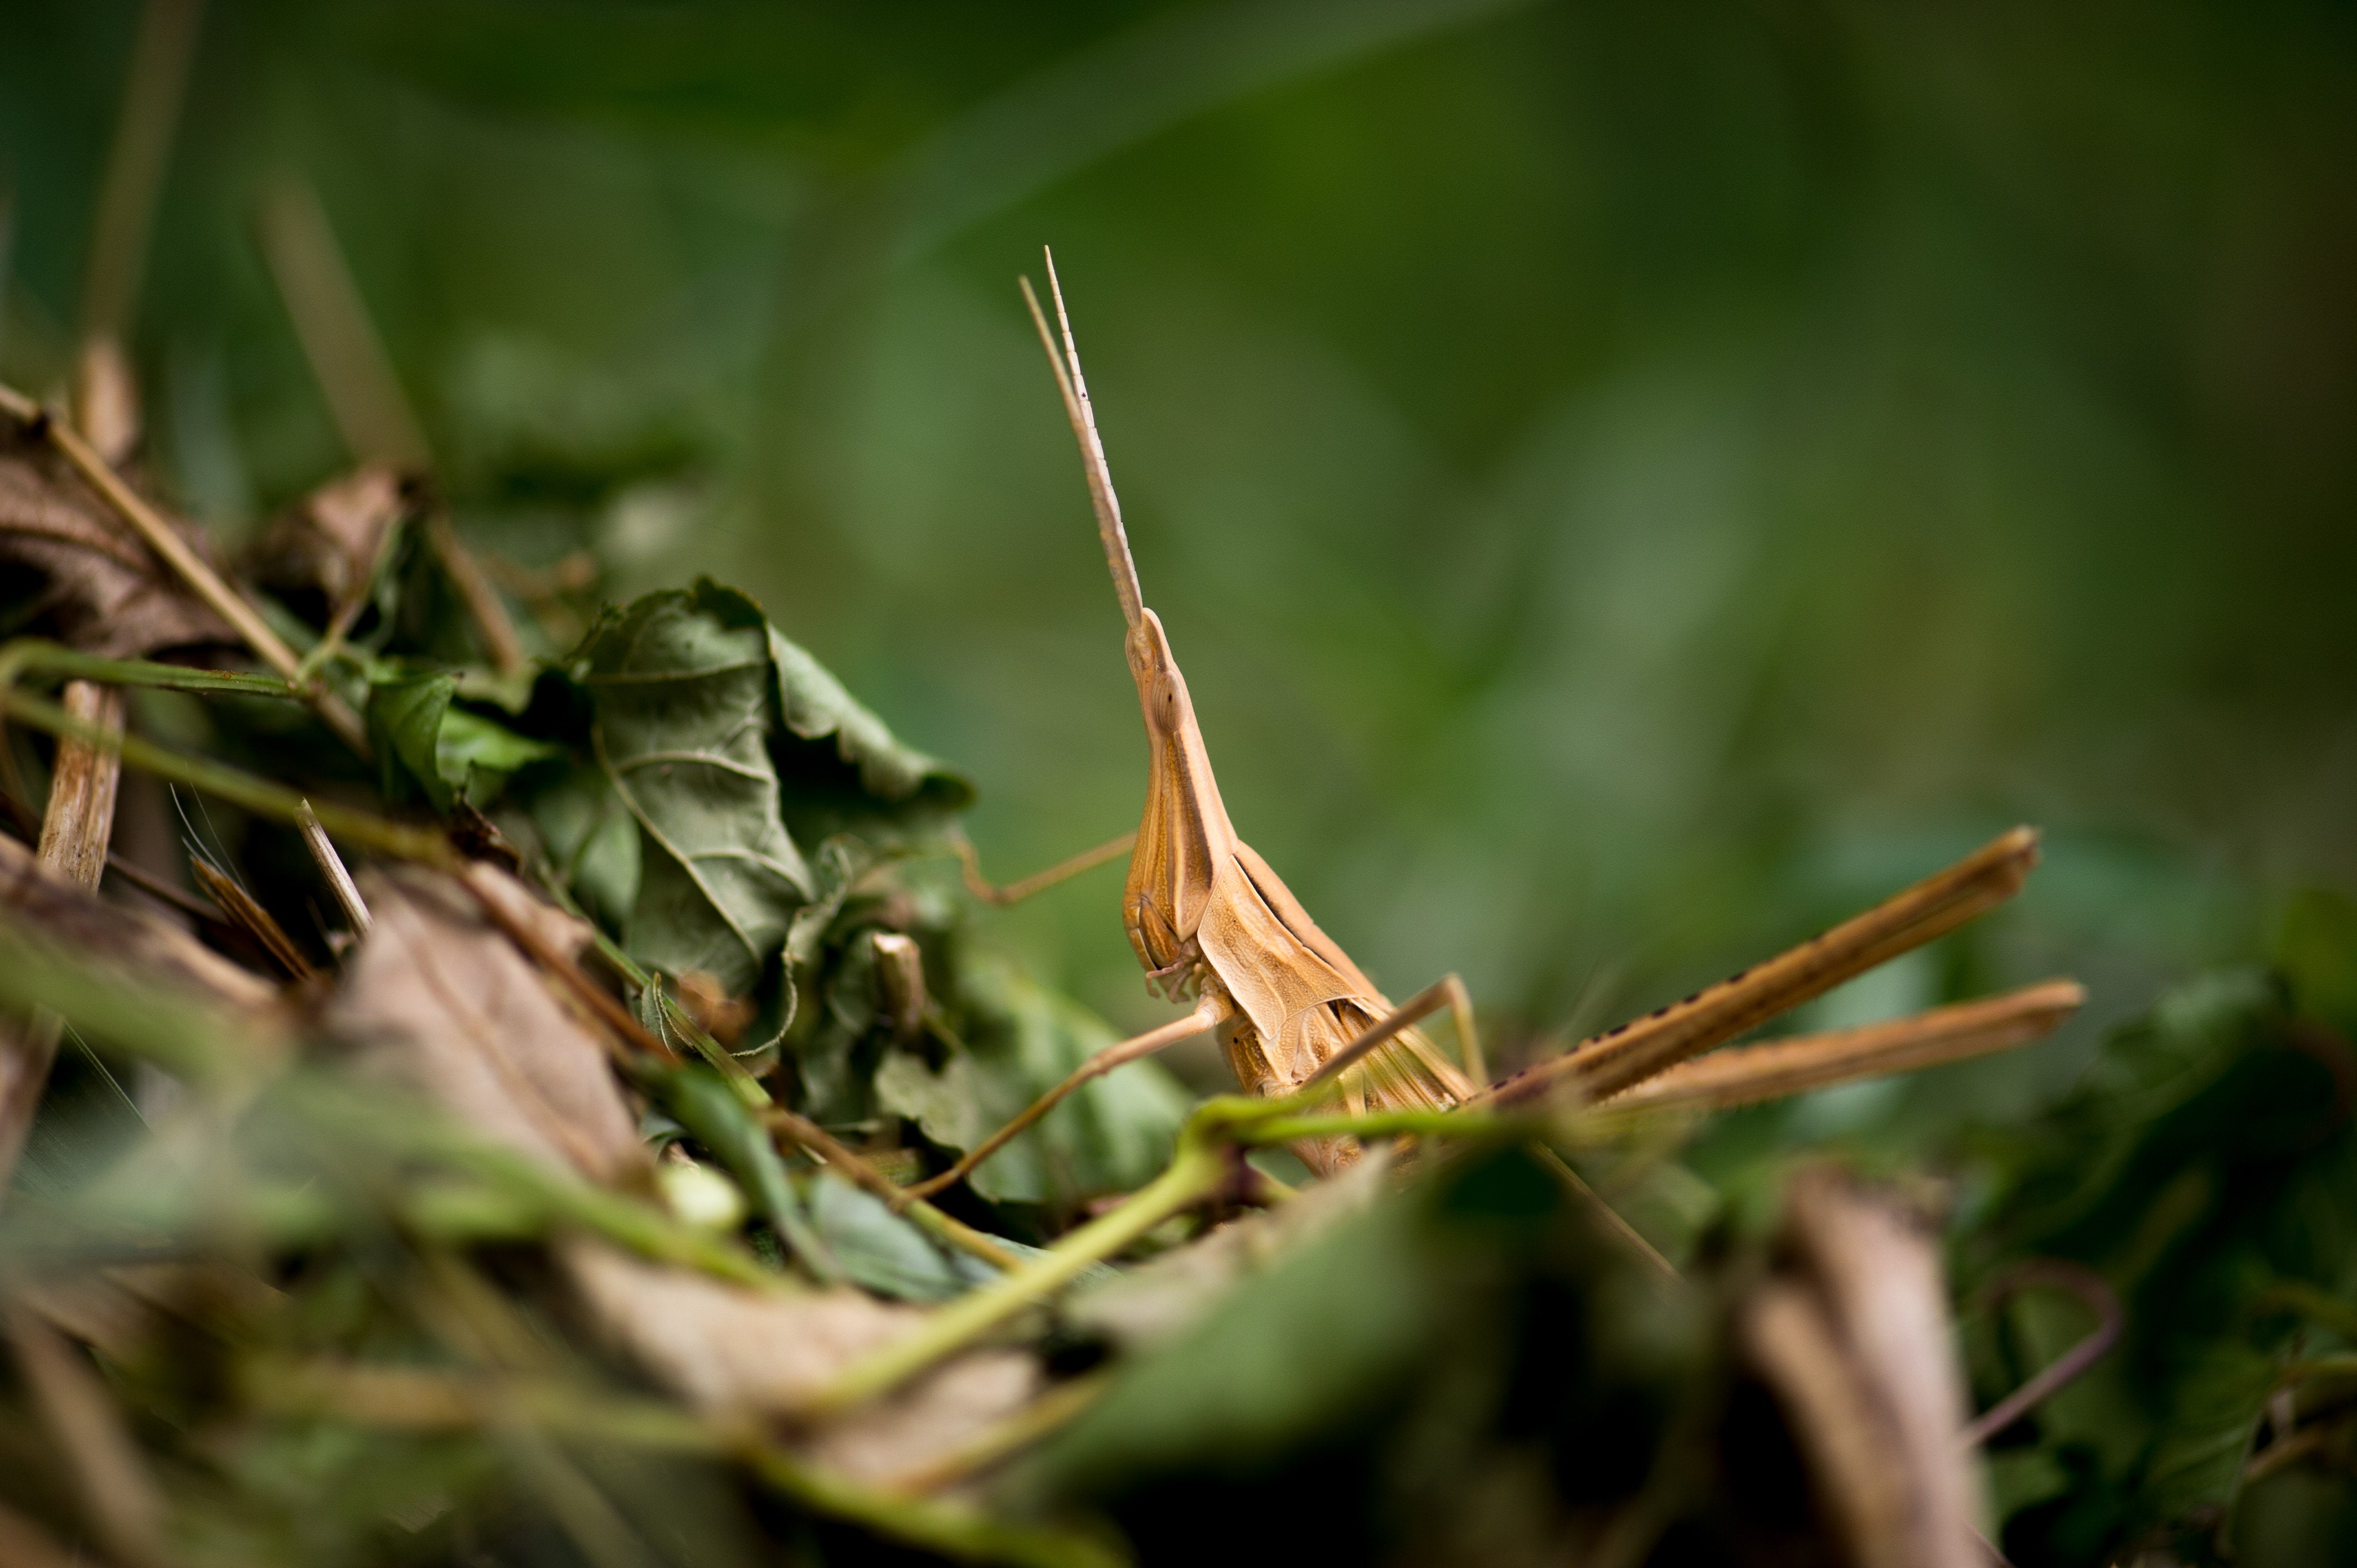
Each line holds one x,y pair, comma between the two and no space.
331,867
347,359
78,824
1745,1075
242,911
1608,1063
346,355
142,139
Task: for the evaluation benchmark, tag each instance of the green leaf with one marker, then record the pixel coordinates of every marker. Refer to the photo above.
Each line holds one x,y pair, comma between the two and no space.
1288,1353
880,1250
733,748
717,1118
444,752
681,684
592,842
815,707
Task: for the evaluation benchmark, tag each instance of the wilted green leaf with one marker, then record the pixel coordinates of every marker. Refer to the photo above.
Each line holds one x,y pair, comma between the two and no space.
448,753
716,734
592,842
883,1252
681,682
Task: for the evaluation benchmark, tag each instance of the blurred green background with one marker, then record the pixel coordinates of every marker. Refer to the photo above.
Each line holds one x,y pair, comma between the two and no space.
1628,484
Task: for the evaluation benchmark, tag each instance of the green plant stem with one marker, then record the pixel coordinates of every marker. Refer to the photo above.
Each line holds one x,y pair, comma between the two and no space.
919,1522
255,794
32,655
1197,1171
1289,1129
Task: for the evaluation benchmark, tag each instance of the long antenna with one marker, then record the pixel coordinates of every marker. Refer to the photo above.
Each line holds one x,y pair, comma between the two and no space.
1075,388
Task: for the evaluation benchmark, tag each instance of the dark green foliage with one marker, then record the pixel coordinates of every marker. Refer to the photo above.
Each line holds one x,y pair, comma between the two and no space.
2205,1167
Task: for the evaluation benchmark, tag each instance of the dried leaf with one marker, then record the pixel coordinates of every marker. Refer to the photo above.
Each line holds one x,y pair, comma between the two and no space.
437,997
328,541
100,588
1857,1344
815,706
731,1350
146,946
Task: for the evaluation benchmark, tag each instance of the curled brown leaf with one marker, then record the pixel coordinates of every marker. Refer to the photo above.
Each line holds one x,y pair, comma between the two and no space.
96,587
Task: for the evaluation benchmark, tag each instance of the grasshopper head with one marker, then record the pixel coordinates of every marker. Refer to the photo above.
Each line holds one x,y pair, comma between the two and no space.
1184,836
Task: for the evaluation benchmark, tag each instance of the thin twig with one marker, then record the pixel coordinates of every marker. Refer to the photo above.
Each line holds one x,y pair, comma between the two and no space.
490,616
2093,1290
331,866
1611,1219
165,542
135,169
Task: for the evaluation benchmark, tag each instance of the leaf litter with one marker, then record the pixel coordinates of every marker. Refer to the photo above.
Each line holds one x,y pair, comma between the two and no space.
383,1266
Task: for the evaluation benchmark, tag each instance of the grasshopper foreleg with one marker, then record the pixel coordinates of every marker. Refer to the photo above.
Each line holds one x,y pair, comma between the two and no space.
1207,1014
1063,870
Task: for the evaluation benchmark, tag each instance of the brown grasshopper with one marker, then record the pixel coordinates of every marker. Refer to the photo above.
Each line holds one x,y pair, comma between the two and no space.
1211,920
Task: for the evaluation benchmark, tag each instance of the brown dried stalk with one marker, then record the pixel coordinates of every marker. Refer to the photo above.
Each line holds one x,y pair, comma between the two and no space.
165,542
74,833
347,359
